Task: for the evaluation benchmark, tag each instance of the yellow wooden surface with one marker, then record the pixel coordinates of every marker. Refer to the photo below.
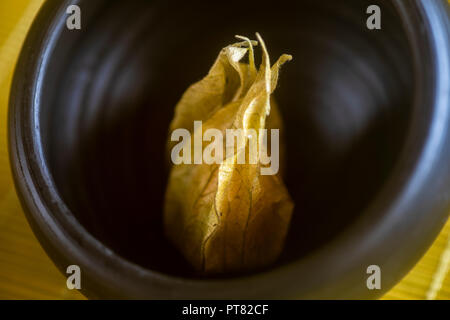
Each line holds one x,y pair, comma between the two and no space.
25,270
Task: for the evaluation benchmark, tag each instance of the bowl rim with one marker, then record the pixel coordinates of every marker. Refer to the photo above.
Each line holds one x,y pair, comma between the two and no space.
106,274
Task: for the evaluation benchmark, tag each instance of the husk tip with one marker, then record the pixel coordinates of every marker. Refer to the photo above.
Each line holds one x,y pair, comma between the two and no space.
288,57
253,42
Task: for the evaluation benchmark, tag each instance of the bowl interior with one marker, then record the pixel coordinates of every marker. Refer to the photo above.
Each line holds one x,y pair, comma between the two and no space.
345,98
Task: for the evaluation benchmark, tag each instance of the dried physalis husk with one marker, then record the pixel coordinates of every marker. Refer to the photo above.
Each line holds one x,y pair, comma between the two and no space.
227,216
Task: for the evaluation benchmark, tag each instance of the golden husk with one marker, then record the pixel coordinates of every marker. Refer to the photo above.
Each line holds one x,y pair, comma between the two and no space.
228,217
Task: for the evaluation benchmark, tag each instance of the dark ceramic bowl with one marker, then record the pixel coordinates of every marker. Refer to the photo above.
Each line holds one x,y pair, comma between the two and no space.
367,117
